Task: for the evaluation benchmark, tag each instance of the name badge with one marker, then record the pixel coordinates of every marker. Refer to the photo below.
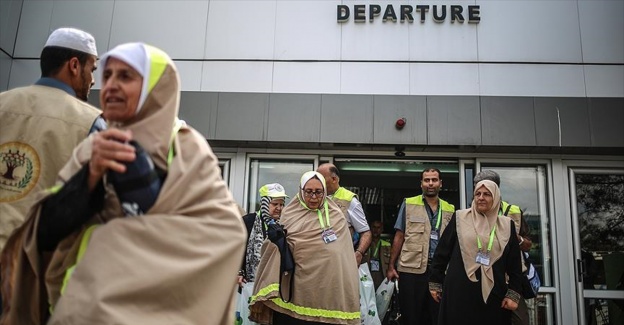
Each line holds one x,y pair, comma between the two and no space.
374,265
434,234
483,258
329,235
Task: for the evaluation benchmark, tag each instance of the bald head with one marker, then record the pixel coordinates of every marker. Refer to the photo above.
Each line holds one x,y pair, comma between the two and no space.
487,174
331,175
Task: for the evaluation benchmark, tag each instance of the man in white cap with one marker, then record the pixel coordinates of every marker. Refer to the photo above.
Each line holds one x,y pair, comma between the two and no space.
272,200
42,123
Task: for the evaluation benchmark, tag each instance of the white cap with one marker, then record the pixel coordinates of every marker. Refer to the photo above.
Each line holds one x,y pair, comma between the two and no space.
74,39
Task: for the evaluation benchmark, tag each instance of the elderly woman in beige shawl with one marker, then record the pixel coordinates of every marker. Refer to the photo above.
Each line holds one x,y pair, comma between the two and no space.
325,287
482,284
170,259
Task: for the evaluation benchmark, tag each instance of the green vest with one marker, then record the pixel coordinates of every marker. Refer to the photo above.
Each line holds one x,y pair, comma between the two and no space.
415,251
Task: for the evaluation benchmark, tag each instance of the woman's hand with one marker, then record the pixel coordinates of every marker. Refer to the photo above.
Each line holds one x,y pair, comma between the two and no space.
436,295
110,150
509,304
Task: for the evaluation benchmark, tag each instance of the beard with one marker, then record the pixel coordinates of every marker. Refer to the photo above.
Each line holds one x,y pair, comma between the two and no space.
432,193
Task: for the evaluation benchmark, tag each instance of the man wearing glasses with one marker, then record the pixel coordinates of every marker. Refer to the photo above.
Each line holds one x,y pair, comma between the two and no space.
350,207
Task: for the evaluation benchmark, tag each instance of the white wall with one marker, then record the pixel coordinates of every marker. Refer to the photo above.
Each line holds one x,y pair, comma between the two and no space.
520,48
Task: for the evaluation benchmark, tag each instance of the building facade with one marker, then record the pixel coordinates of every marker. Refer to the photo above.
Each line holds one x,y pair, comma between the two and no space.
384,89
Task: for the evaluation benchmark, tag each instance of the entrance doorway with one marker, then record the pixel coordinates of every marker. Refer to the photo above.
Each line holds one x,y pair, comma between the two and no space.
382,185
597,199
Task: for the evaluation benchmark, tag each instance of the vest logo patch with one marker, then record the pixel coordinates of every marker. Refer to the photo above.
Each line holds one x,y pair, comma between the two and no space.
19,170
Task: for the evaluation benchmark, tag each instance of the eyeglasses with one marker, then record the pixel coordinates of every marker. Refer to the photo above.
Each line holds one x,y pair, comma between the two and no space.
310,193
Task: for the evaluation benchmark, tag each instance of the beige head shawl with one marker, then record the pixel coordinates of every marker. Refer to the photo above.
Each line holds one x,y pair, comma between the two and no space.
157,112
470,224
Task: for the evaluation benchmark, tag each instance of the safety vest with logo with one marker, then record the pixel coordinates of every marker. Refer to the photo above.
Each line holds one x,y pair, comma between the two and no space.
415,251
41,125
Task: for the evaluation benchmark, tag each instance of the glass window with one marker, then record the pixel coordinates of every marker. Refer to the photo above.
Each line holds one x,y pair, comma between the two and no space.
286,172
224,165
604,311
600,209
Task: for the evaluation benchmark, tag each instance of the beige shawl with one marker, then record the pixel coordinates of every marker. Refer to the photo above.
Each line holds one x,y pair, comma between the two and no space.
470,224
174,265
326,287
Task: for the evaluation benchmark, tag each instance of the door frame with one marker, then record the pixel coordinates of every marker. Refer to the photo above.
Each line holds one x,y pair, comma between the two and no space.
581,293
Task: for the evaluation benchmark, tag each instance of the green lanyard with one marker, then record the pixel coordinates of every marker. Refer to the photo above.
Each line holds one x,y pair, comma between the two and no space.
376,249
320,214
437,227
489,248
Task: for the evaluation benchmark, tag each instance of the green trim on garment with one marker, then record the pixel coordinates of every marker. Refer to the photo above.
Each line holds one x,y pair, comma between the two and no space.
177,125
54,189
158,63
84,242
418,200
264,291
304,311
344,194
316,312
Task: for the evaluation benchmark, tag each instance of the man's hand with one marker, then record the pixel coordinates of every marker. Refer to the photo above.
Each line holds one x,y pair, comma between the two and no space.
110,149
392,274
358,257
241,281
509,304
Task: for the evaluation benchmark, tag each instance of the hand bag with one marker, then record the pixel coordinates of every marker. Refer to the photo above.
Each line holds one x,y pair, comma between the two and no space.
384,297
242,305
368,303
531,281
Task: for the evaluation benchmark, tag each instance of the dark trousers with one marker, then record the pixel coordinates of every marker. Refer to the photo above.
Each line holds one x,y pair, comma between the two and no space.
417,306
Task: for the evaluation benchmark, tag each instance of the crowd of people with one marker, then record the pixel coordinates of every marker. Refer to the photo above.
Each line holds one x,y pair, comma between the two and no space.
125,218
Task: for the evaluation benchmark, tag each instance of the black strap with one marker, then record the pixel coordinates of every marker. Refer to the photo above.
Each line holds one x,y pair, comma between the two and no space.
507,210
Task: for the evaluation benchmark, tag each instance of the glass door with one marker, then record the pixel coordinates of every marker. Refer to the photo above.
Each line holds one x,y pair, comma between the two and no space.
526,185
597,199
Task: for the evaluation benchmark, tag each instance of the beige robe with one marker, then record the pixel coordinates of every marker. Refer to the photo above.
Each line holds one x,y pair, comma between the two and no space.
326,286
174,265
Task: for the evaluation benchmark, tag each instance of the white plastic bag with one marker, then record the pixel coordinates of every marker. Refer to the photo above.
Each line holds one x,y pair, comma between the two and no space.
384,297
368,304
242,305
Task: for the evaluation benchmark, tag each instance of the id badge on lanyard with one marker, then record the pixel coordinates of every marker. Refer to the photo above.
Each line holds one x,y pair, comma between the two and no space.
329,235
483,258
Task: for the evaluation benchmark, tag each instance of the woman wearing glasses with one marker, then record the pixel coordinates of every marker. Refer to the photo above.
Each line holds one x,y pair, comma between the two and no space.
318,237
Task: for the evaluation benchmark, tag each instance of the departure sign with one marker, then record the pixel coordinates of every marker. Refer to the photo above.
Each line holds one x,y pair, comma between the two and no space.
437,13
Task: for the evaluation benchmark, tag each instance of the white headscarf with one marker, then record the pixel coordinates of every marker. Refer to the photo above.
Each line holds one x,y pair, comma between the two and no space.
133,54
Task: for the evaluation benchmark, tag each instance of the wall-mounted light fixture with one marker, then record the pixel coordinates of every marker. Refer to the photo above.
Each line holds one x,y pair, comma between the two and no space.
399,151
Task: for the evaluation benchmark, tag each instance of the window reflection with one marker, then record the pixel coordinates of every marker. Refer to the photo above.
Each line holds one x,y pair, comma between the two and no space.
285,172
526,187
600,208
604,311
